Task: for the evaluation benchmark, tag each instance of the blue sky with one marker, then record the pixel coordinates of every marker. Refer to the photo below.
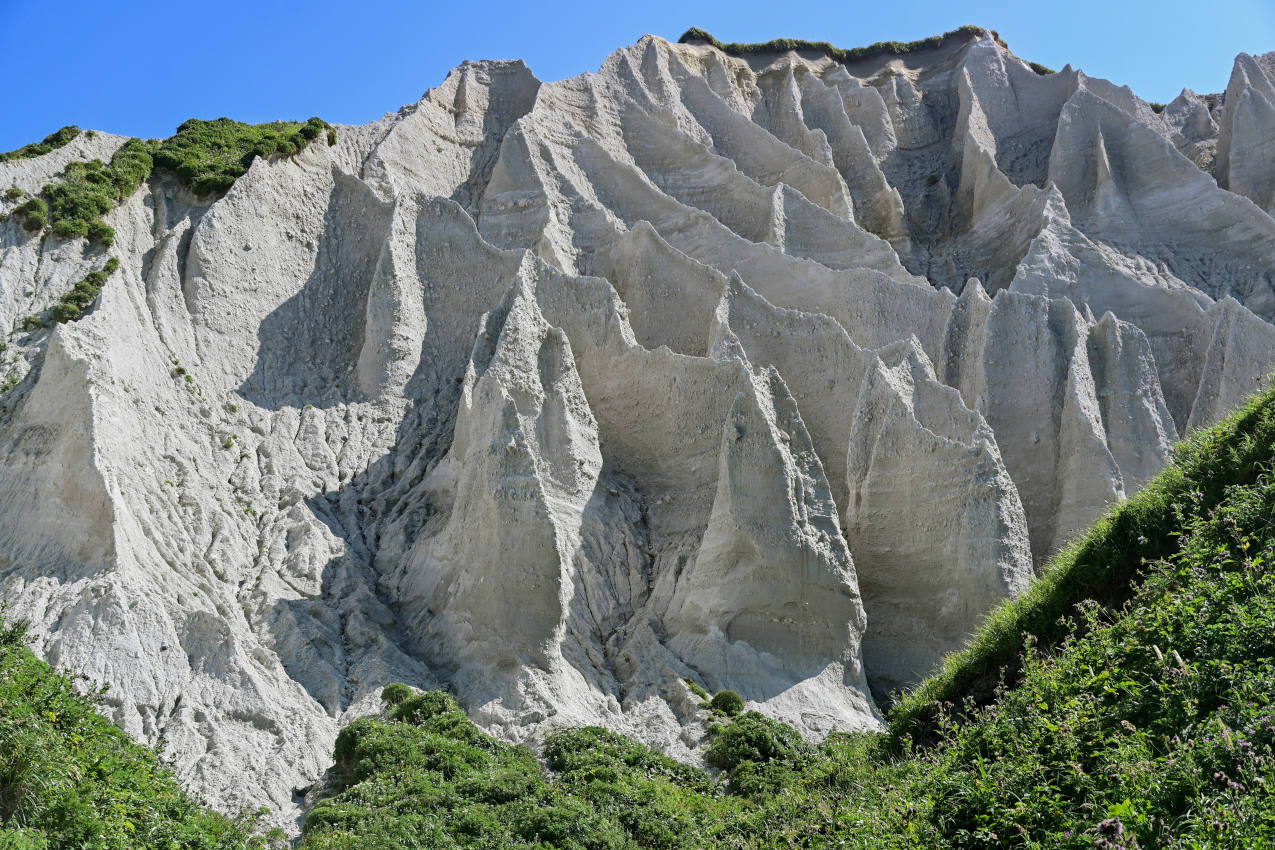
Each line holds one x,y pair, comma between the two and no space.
140,67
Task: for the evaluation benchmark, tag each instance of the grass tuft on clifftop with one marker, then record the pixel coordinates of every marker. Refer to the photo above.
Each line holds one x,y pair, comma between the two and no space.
1127,700
853,54
49,143
69,778
208,156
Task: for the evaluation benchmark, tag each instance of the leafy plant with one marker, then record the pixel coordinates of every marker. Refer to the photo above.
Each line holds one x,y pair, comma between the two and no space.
757,738
697,689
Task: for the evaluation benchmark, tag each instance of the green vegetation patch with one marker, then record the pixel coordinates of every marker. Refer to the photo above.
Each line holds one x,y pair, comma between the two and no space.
853,54
51,142
89,190
430,778
71,779
208,156
1150,726
697,689
34,214
728,703
396,693
74,304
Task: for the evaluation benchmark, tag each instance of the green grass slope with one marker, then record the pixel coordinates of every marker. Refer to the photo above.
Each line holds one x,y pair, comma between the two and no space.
71,779
1127,700
1105,564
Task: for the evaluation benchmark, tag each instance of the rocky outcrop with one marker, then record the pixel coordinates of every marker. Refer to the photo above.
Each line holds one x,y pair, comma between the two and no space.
775,374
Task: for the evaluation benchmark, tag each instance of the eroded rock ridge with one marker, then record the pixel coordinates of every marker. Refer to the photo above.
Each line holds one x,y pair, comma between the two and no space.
773,374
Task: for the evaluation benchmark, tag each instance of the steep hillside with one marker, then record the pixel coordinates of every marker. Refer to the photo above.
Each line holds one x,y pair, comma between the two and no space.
769,369
1147,724
69,778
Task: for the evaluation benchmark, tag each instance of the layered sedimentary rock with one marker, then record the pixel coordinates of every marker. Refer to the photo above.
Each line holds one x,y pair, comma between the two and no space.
774,374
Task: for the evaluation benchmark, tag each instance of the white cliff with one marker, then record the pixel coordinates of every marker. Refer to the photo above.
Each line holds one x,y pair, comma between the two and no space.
775,374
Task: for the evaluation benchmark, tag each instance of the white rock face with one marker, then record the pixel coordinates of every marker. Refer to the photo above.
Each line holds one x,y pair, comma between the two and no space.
775,375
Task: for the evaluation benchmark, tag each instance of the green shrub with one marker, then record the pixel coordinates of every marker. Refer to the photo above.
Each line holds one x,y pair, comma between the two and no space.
33,222
728,703
395,693
51,142
34,214
69,229
100,232
13,193
420,709
402,785
208,156
439,713
585,750
759,780
1157,107
757,738
89,190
